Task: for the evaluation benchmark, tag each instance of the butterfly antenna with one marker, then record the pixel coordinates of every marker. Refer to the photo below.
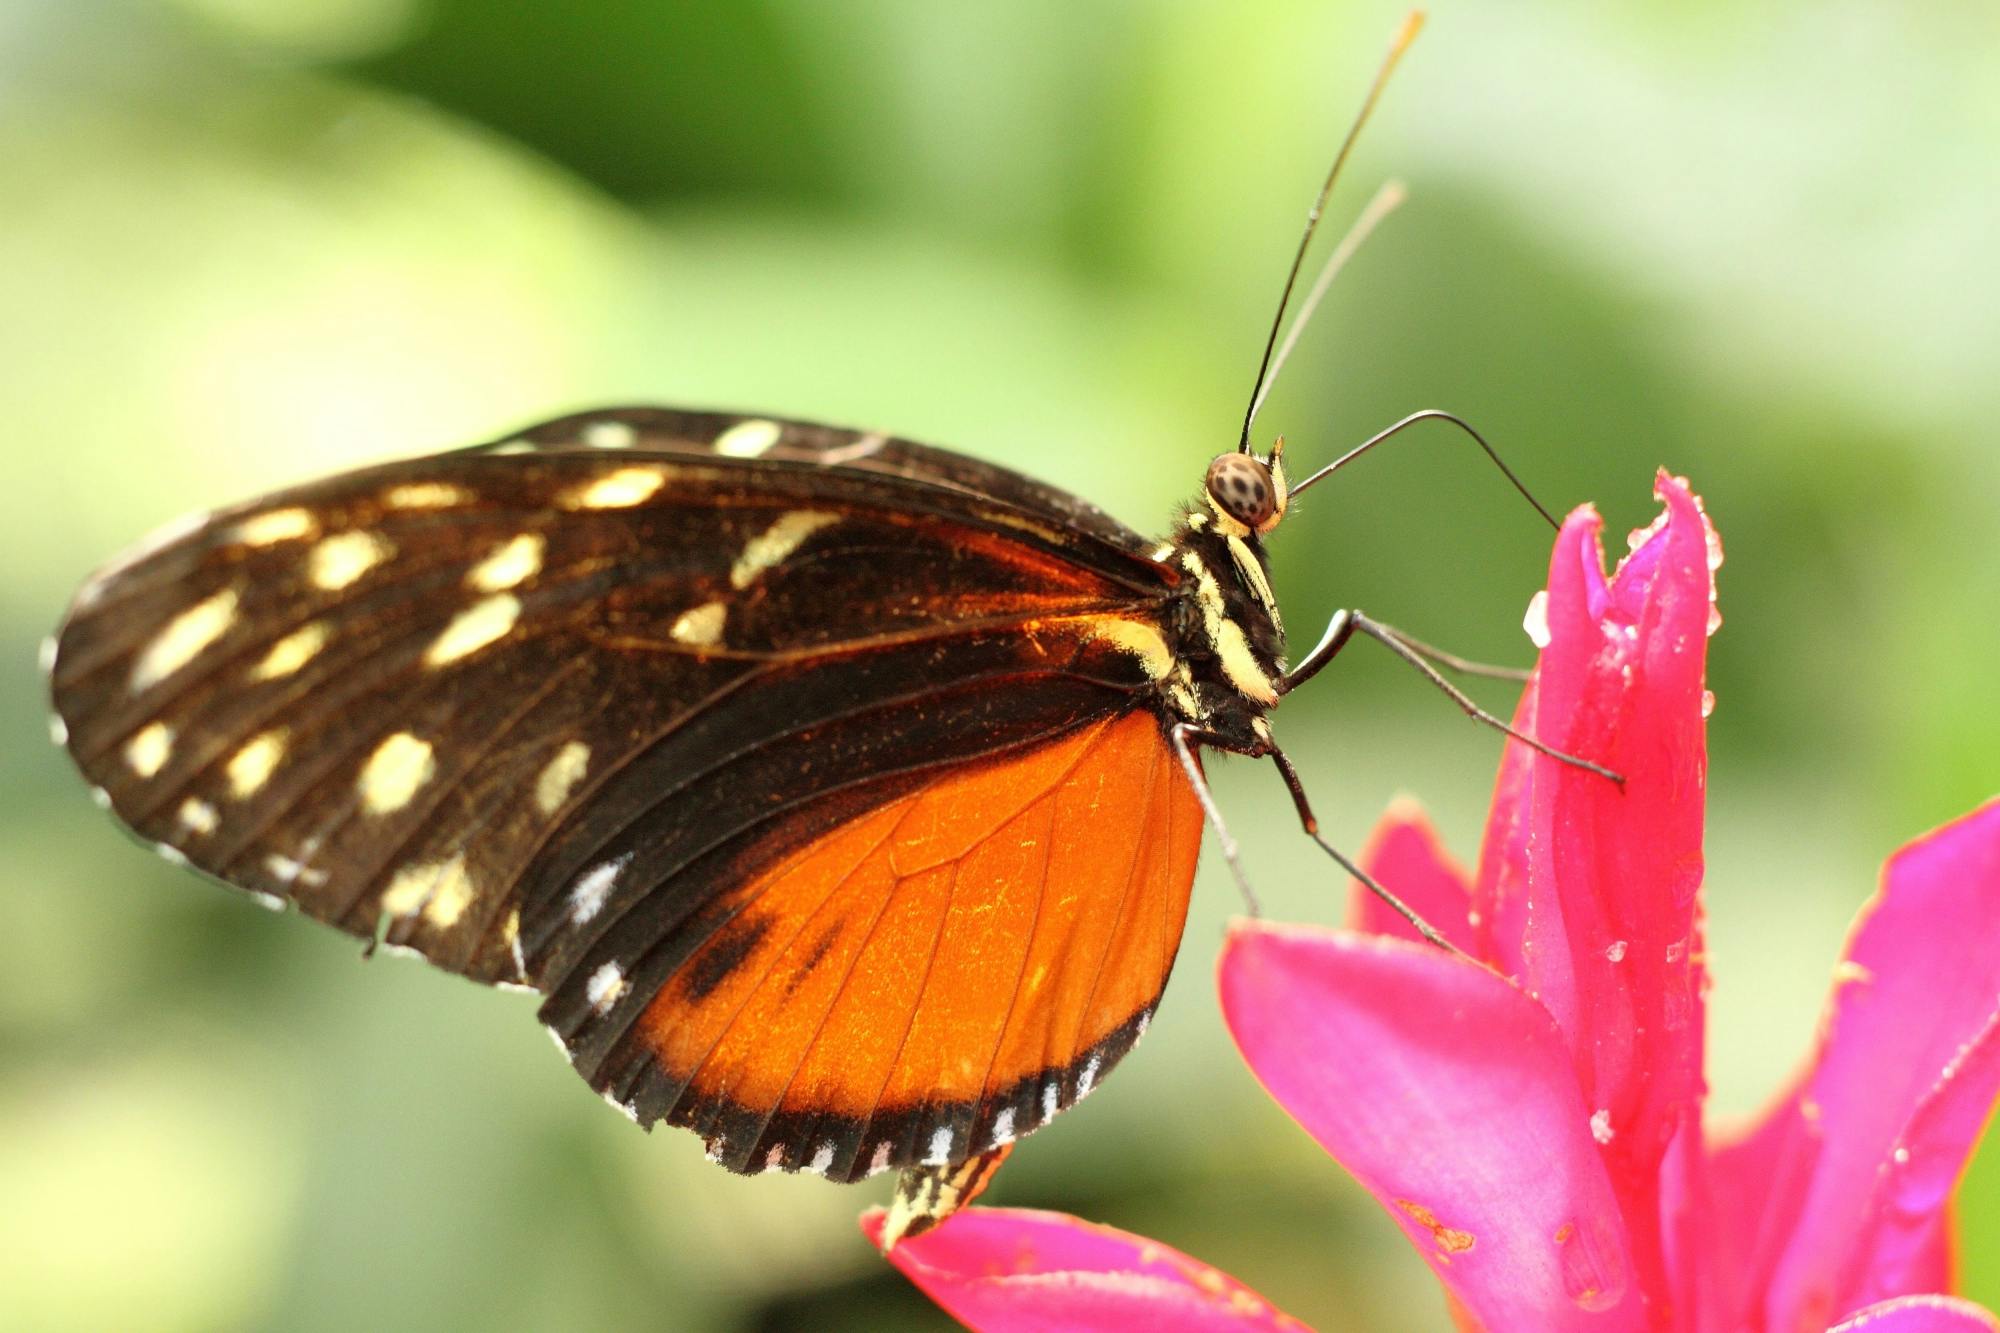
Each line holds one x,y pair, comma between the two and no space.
1413,22
1429,414
1386,201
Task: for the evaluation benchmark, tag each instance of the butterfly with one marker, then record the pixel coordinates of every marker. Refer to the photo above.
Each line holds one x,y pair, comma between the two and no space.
840,796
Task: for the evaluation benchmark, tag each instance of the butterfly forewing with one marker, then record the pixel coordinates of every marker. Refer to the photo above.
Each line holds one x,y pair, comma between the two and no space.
560,711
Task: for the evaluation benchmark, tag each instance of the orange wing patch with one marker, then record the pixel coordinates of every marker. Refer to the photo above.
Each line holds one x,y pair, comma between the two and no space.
944,973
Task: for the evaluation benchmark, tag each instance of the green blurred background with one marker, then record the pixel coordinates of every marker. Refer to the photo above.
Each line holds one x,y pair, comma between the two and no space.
243,242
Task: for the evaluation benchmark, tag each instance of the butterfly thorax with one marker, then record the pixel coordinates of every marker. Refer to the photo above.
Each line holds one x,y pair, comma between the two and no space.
1224,630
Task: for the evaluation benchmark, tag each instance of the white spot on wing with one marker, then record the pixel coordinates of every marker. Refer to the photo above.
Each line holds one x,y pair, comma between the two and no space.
880,1161
478,625
622,489
197,816
776,542
606,984
292,652
586,900
748,439
290,870
1003,1127
58,730
251,766
560,775
822,1160
185,636
700,626
173,856
1089,1079
398,768
45,655
512,562
337,561
940,1152
279,525
609,435
150,747
865,447
1051,1100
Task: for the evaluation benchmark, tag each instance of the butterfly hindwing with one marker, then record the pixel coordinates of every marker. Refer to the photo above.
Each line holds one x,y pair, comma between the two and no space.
550,707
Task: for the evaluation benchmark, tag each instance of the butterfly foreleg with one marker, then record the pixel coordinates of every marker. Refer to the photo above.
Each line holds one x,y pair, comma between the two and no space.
1184,736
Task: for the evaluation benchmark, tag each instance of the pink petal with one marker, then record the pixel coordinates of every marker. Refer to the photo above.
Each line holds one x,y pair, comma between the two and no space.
1909,1061
1591,891
1921,1314
1013,1270
1405,857
1449,1094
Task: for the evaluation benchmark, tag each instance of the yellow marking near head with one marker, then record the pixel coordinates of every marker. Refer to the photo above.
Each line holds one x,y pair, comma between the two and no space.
147,752
473,628
1239,664
560,775
622,489
197,816
279,525
1251,570
748,439
1140,639
251,767
400,766
183,638
772,545
700,626
512,562
426,495
292,652
337,561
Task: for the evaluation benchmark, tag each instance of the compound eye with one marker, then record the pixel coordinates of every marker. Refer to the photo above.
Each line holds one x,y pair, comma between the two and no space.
1240,487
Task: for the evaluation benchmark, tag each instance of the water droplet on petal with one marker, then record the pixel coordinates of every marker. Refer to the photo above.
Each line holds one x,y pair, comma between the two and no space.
1536,621
1902,1155
1587,1257
1616,951
1707,702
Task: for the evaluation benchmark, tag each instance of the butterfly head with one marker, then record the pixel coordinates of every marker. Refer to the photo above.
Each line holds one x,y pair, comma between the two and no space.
1247,493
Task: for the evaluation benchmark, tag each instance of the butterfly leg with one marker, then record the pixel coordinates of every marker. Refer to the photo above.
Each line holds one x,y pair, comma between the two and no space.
1185,736
1344,626
1310,823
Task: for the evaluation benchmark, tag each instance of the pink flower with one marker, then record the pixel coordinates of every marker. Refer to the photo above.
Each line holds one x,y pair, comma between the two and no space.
1535,1125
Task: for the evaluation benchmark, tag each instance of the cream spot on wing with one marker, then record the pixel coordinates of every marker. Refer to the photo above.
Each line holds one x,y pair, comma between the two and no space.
413,887
586,899
510,934
184,637
867,446
197,816
58,730
617,490
880,1161
512,562
748,439
1003,1127
606,984
513,447
560,775
398,769
45,655
1089,1079
292,652
609,435
940,1152
474,628
279,525
772,545
250,767
822,1159
425,495
147,752
337,561
452,896
700,626
1136,637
